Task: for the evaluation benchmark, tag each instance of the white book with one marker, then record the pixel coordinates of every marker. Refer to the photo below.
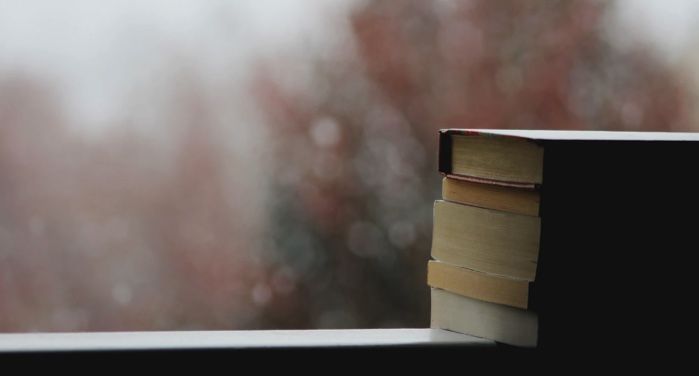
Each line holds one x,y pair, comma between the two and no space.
497,322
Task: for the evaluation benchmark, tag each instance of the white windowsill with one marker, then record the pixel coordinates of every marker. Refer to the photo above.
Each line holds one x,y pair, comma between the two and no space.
242,339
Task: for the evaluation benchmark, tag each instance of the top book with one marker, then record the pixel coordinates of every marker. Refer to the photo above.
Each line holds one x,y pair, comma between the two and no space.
516,157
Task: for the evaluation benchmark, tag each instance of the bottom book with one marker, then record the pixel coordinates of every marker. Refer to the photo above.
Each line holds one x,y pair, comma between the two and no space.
497,322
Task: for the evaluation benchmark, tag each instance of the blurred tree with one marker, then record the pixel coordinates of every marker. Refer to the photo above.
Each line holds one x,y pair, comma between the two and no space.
356,153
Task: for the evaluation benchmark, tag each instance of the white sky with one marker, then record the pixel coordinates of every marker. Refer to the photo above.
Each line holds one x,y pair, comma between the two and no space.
95,51
670,26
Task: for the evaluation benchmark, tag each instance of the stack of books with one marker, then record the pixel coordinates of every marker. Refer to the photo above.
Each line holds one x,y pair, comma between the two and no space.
485,243
607,213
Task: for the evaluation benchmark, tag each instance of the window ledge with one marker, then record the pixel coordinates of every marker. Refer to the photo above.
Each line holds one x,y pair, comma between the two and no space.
243,339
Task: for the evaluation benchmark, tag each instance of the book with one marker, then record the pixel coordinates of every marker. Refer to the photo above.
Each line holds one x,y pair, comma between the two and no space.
509,199
486,240
616,230
501,323
516,157
477,285
487,158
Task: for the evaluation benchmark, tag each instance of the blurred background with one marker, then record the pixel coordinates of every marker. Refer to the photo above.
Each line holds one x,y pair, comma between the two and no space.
272,164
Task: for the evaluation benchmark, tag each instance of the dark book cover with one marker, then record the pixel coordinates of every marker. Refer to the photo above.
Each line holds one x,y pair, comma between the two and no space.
618,237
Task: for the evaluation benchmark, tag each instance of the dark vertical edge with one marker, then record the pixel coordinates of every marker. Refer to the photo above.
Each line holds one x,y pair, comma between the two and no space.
537,298
445,152
531,297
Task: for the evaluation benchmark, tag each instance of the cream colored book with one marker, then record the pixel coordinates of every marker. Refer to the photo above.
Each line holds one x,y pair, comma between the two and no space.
509,199
477,285
497,322
486,240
